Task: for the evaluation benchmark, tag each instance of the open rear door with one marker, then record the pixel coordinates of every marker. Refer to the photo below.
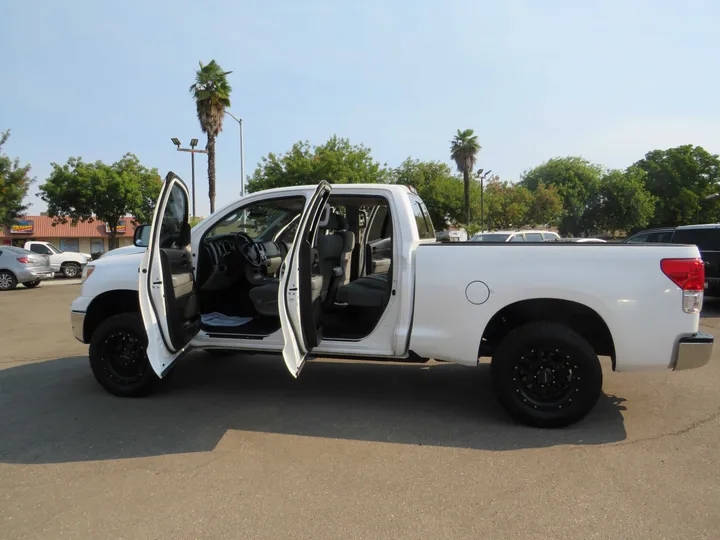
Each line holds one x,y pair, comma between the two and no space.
300,286
168,295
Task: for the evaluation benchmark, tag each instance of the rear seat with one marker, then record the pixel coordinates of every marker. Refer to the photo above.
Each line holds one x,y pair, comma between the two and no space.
367,291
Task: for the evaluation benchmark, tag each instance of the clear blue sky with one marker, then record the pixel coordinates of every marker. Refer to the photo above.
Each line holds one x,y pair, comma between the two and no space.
608,80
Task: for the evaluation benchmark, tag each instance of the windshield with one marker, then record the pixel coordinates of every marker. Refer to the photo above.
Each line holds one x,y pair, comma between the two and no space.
489,238
53,248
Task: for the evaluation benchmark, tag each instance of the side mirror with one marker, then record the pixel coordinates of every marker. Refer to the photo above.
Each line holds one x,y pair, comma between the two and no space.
141,238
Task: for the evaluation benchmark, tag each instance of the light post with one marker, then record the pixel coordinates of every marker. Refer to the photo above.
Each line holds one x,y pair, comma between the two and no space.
482,177
242,152
193,144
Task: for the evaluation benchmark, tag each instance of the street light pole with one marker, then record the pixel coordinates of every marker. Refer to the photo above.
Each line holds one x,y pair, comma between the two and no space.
482,177
242,153
193,144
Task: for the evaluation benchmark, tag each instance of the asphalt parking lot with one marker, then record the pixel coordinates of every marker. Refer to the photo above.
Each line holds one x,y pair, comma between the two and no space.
235,448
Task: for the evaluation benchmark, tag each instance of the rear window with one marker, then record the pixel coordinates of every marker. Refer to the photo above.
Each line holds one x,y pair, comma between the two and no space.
533,237
705,239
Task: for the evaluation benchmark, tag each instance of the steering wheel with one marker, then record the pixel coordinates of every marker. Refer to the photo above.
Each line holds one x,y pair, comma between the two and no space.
251,250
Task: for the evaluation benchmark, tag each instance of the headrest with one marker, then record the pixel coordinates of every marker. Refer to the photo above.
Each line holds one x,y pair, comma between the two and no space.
336,222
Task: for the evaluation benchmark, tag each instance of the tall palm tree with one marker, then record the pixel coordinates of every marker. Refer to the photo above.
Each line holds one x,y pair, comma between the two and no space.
463,149
212,95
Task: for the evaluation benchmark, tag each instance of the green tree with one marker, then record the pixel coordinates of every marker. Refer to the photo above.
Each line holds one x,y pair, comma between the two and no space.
336,161
546,206
438,188
507,206
463,150
211,92
623,203
14,184
682,178
577,182
78,191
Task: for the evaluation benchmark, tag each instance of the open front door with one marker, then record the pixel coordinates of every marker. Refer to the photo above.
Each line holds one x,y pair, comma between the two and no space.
300,286
168,295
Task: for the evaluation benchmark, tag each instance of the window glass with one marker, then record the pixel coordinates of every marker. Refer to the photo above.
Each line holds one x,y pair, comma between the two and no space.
550,236
263,220
176,214
97,245
422,218
639,239
533,237
41,249
70,244
517,238
704,239
489,237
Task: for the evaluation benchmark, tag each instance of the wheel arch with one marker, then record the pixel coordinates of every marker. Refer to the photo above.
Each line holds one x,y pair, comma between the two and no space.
582,319
106,305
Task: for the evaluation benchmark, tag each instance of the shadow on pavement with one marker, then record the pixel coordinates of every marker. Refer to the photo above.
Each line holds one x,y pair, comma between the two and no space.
54,411
711,308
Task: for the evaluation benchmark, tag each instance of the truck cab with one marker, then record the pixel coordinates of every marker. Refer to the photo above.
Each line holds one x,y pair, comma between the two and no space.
69,263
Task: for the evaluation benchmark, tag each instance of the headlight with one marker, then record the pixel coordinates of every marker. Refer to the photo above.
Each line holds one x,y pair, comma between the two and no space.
89,269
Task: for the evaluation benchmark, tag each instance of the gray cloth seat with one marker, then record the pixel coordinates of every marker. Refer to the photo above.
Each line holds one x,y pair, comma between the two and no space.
334,255
367,291
265,297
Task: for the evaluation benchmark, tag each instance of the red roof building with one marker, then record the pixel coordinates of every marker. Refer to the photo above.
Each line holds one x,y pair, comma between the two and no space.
84,237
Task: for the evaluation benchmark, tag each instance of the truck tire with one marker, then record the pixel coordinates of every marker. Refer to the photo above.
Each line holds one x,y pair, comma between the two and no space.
71,270
7,281
546,375
31,284
118,356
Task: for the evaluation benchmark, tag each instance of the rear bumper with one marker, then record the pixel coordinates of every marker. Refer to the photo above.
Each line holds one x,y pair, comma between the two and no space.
34,273
693,351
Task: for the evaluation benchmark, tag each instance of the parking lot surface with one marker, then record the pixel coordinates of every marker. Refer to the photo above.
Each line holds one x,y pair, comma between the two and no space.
233,447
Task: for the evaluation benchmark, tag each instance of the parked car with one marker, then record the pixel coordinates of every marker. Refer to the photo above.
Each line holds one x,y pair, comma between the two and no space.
18,265
452,235
515,236
705,237
580,240
68,263
295,271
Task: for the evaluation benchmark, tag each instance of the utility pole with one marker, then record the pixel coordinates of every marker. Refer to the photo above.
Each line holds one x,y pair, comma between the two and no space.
193,144
242,153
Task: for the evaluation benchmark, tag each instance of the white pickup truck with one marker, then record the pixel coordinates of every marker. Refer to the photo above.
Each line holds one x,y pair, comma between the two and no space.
69,263
354,271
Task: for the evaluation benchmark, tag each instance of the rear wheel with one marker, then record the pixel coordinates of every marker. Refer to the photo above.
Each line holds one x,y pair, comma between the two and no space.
71,270
31,284
7,281
118,356
546,375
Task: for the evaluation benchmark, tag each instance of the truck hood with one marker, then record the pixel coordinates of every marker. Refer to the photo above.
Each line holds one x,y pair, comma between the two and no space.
113,273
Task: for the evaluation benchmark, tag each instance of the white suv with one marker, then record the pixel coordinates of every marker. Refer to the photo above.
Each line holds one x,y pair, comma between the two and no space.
515,236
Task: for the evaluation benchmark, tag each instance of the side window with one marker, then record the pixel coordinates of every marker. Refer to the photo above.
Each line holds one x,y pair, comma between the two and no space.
39,248
422,219
517,238
533,237
666,237
176,214
550,236
704,239
639,239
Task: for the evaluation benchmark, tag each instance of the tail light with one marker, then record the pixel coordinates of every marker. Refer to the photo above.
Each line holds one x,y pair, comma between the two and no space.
23,260
689,275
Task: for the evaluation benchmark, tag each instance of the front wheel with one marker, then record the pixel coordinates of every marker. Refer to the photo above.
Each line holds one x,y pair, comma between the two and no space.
31,284
546,375
118,356
71,270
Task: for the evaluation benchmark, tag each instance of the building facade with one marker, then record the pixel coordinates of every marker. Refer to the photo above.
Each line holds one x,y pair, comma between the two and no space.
84,237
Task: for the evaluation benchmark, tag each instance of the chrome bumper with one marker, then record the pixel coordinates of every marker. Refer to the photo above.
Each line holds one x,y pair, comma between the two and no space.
77,319
693,351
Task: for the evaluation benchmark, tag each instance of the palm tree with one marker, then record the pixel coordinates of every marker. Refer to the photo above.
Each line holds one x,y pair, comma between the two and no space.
212,95
463,149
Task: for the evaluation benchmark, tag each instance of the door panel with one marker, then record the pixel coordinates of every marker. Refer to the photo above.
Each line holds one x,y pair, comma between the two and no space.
168,295
301,285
